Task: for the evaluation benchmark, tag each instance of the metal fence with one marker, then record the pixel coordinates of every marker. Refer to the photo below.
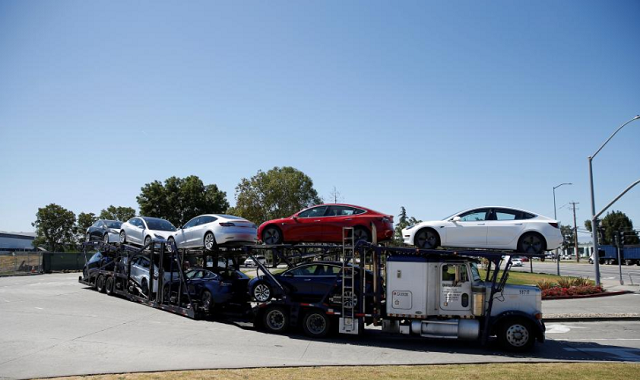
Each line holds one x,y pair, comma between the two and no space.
13,263
19,263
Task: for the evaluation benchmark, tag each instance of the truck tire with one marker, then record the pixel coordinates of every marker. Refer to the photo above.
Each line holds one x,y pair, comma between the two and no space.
516,334
316,324
100,283
109,285
275,320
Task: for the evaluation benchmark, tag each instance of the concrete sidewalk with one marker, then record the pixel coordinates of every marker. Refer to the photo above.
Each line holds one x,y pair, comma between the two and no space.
615,307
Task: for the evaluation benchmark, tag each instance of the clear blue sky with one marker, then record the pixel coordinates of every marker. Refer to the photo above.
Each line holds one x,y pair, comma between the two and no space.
435,106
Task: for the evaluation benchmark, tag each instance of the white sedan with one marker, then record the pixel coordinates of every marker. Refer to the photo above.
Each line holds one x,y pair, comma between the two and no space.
212,230
142,229
488,228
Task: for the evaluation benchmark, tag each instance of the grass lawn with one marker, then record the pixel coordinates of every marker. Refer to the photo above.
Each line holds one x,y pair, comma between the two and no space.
528,371
524,278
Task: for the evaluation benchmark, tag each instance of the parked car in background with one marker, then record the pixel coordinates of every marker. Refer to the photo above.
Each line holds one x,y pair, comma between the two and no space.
324,223
212,230
250,262
307,282
105,230
141,230
211,289
490,228
516,262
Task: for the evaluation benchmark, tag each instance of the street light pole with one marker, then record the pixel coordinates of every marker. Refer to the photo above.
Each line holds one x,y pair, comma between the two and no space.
594,219
555,216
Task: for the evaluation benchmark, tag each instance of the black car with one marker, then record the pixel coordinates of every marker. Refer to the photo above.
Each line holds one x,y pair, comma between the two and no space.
308,282
105,230
99,261
211,289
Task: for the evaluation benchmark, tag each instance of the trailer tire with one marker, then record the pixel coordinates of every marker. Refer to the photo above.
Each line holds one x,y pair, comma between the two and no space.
275,320
262,292
100,283
207,301
109,285
516,334
144,286
316,324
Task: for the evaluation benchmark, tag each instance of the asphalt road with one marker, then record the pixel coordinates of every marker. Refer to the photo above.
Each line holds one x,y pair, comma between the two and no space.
50,325
568,268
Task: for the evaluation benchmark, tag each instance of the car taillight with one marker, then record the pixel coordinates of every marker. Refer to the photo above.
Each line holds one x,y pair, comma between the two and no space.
227,224
388,219
554,225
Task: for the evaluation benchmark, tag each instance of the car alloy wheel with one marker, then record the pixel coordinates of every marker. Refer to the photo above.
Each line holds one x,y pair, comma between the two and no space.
147,240
350,300
262,292
531,243
105,238
426,238
88,237
123,237
170,244
209,241
271,236
360,234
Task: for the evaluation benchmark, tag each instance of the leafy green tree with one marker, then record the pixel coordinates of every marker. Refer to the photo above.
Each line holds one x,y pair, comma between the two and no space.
569,238
613,222
84,221
54,227
403,222
277,193
117,213
180,199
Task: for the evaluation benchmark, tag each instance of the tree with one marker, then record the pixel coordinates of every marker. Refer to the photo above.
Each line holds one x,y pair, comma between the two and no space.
117,213
278,193
403,222
569,239
179,200
54,227
84,221
613,222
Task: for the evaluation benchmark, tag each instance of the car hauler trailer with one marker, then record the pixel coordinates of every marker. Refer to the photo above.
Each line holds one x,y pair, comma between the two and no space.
429,293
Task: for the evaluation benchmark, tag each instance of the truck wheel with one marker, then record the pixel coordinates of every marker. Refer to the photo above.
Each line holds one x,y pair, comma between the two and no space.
262,292
516,334
316,324
109,285
207,301
275,320
100,284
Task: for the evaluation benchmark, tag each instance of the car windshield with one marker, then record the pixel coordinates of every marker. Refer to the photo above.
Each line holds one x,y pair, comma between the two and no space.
113,224
159,225
231,217
452,215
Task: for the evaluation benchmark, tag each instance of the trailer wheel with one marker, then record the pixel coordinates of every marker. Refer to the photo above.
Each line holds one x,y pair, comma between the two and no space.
275,320
110,285
316,324
100,284
145,287
516,334
262,292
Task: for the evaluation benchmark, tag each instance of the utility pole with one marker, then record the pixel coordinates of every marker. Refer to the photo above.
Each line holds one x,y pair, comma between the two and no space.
575,230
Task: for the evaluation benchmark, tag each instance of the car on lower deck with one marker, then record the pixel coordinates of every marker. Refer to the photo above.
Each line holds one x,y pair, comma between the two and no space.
211,288
488,227
324,224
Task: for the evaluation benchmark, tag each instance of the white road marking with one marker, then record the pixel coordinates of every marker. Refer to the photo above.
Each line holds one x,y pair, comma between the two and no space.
622,353
39,308
557,329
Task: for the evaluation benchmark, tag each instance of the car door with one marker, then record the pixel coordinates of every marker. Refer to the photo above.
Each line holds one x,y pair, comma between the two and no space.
334,220
503,227
202,226
134,232
309,282
307,225
468,231
182,236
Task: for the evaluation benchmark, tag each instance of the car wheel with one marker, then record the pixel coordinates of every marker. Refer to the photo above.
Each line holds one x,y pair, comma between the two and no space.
516,335
171,242
350,300
262,292
276,320
532,242
123,237
145,287
361,233
426,238
272,235
147,241
100,284
316,324
88,237
209,241
109,285
207,301
105,238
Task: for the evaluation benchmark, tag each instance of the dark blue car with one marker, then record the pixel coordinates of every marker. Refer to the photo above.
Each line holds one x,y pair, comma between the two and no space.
210,289
308,282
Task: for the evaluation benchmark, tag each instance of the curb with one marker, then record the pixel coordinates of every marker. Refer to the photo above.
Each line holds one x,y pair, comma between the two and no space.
579,296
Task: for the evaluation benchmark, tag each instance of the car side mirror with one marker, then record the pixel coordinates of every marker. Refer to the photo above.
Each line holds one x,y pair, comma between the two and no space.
295,218
455,219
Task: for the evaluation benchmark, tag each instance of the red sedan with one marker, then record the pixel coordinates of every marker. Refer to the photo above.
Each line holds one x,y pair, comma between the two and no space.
323,223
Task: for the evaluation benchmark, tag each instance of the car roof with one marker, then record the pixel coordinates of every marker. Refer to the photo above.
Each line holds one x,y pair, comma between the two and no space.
346,205
503,207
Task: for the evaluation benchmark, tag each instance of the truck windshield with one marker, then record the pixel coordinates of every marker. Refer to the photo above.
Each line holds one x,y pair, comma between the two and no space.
475,274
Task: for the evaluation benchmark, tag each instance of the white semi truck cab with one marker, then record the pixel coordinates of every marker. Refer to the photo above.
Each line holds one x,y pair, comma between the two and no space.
444,296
